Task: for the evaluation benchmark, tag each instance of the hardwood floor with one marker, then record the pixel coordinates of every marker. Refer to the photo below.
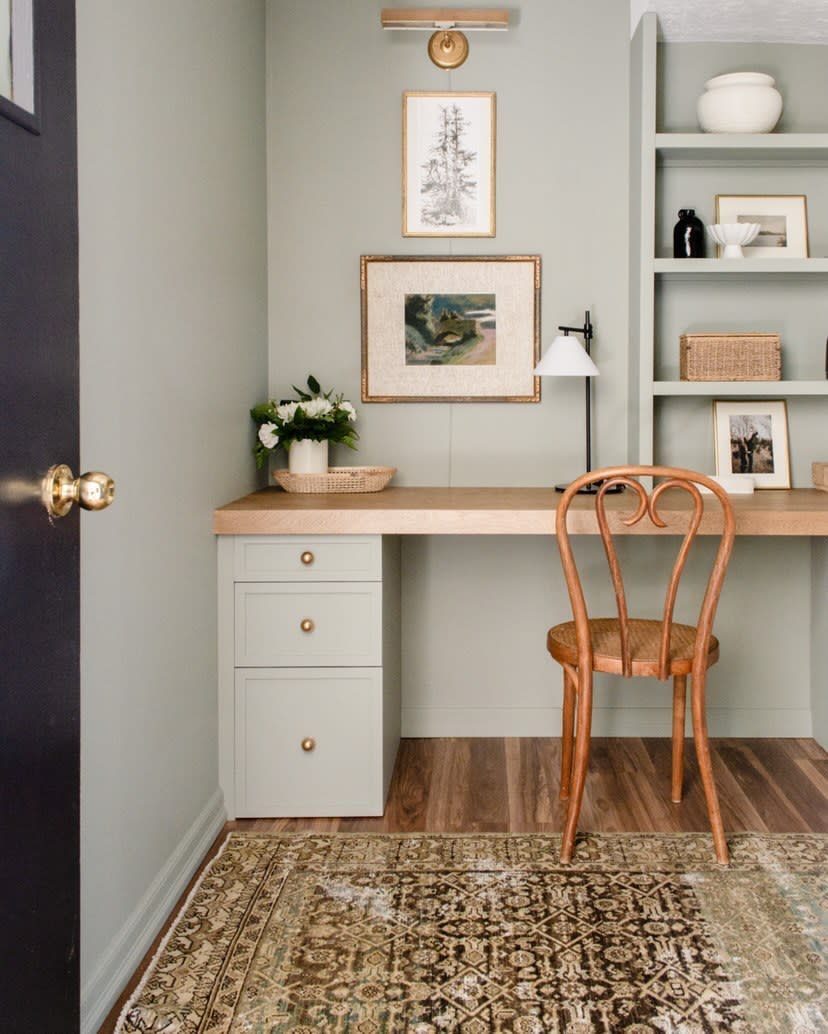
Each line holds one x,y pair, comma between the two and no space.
511,786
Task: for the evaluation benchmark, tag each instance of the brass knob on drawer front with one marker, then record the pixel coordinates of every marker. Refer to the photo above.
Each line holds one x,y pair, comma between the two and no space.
307,558
307,625
308,744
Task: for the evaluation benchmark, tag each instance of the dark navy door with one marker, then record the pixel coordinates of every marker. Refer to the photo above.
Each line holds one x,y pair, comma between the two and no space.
39,556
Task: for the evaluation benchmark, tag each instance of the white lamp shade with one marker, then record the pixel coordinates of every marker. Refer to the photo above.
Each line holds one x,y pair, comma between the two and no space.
566,357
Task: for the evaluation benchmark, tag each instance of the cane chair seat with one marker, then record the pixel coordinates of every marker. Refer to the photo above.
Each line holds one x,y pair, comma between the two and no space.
645,642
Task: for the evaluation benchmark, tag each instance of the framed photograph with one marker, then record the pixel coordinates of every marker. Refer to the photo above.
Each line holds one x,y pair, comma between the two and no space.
752,440
448,165
783,219
437,329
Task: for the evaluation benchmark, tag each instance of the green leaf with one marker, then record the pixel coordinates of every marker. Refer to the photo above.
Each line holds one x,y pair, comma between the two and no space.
313,384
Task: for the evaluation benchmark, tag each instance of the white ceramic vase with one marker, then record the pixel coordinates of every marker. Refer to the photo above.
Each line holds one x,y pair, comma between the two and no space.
740,102
308,457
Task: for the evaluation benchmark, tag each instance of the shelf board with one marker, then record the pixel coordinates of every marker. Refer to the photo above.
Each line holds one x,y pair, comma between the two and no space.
740,267
735,147
768,389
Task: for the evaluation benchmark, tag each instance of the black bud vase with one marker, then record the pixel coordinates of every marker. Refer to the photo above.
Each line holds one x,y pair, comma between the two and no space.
688,235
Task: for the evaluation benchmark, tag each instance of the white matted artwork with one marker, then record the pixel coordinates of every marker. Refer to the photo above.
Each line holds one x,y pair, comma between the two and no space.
448,165
752,441
460,329
782,218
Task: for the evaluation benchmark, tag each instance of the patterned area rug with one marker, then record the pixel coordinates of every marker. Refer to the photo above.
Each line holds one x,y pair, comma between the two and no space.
378,934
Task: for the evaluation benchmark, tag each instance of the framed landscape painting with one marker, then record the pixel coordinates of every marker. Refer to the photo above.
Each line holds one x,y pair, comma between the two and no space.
752,440
448,165
463,329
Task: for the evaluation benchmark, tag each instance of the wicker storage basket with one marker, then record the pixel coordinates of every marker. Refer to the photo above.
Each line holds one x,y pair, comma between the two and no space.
819,472
730,357
338,479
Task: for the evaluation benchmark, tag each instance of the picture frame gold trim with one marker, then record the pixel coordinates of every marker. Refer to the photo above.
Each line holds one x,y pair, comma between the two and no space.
387,377
777,411
794,208
414,150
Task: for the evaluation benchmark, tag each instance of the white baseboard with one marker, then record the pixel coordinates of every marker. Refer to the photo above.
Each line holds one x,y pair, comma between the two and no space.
132,942
606,721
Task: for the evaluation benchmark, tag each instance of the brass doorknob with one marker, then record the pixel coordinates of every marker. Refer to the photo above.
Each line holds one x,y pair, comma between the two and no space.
307,558
308,744
307,625
91,491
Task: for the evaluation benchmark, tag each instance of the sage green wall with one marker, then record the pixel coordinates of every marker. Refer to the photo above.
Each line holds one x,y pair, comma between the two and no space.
475,611
173,347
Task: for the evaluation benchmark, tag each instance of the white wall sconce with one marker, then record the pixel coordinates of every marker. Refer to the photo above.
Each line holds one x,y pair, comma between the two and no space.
448,47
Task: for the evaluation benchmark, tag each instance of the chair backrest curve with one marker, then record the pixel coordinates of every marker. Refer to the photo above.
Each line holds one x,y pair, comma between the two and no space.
645,504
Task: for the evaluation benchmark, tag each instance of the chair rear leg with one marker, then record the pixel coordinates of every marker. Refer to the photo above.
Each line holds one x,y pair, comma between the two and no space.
567,731
579,768
679,708
705,767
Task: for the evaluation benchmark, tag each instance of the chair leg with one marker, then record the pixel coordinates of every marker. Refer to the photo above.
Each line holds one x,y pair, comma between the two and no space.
567,732
679,708
697,688
581,761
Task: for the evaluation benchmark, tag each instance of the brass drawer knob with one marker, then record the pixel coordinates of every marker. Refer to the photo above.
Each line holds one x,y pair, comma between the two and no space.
307,558
308,744
307,625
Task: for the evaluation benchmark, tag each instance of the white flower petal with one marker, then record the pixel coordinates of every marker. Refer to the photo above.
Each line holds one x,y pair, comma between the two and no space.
268,436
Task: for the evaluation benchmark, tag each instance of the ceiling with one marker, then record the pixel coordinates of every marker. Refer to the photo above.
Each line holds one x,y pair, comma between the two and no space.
769,21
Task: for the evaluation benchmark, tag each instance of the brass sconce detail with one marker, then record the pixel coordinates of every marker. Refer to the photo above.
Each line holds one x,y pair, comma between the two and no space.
448,47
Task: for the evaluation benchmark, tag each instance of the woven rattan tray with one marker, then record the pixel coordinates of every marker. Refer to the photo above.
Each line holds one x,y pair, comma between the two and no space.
338,479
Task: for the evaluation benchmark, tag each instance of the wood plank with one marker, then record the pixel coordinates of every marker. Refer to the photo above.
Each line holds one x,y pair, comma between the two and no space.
789,780
532,780
759,786
499,511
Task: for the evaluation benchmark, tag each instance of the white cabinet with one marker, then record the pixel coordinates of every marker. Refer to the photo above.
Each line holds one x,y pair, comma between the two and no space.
309,674
673,167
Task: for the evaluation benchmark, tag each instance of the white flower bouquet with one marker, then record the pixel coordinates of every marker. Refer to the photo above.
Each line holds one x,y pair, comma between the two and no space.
315,415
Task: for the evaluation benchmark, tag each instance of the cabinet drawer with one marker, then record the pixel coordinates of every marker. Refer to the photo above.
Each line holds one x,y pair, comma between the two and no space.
339,772
308,558
329,624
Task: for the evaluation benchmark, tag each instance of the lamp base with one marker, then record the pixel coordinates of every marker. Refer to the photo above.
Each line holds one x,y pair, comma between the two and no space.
592,489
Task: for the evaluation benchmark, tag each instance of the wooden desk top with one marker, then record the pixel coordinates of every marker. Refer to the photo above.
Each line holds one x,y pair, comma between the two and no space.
497,511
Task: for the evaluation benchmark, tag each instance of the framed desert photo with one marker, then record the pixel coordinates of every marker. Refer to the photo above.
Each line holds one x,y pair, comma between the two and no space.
752,440
782,219
462,329
448,165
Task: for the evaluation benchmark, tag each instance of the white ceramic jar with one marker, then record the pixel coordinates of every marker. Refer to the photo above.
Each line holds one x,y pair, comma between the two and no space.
308,457
739,102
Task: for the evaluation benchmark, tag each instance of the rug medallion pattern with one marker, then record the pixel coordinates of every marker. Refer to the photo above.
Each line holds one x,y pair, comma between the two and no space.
472,934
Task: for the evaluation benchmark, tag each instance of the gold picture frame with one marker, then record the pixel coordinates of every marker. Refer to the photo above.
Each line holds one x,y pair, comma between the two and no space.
450,329
448,164
783,219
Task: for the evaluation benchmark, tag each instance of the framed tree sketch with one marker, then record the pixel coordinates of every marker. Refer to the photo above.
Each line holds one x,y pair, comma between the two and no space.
448,165
460,329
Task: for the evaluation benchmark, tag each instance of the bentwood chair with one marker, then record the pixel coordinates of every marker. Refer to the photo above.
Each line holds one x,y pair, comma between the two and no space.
629,646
